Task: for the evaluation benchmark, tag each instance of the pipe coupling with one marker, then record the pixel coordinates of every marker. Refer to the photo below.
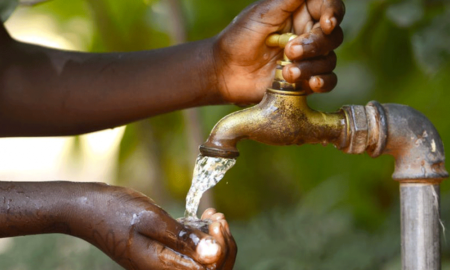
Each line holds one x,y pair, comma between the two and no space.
399,131
366,129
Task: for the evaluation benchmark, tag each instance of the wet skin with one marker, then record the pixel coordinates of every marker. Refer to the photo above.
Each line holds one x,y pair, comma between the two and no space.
125,224
48,92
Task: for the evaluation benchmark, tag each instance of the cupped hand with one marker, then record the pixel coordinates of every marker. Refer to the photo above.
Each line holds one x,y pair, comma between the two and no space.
136,233
245,65
220,230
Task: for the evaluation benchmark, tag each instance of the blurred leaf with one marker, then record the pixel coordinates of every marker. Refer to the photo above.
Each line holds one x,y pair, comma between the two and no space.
6,8
406,13
355,17
431,43
309,207
54,252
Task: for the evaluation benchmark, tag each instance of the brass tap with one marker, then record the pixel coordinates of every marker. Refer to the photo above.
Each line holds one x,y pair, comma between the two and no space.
283,117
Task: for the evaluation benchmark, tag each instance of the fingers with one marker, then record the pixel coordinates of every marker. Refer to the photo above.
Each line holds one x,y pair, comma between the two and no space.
215,230
217,217
329,12
149,254
305,69
319,84
212,214
270,15
332,14
277,10
209,250
190,242
221,231
173,260
323,83
208,213
302,22
313,44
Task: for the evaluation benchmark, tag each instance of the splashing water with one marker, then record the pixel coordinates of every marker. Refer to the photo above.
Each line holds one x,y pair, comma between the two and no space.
208,172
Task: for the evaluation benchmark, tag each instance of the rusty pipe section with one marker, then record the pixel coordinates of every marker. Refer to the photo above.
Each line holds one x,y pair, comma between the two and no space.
399,131
282,118
414,142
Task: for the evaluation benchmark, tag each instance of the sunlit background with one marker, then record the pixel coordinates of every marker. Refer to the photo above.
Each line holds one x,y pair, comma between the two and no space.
308,207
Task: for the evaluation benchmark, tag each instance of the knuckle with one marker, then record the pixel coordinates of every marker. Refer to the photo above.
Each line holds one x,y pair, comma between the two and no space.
338,35
332,59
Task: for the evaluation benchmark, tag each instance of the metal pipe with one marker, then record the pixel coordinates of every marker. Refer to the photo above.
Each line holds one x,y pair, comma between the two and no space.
408,136
392,129
282,118
420,226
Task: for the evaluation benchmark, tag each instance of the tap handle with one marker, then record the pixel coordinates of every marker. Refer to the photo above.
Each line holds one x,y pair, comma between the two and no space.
277,40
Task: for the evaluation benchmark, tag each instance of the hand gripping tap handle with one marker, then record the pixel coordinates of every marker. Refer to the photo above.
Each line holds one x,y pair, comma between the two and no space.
279,83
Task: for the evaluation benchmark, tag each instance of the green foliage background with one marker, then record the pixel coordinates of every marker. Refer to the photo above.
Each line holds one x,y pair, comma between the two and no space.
308,207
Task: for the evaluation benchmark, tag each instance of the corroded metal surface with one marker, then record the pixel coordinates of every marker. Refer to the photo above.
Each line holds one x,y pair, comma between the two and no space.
402,132
378,128
358,129
282,118
415,144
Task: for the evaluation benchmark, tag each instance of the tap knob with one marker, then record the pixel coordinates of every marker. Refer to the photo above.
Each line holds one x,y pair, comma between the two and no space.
279,40
279,83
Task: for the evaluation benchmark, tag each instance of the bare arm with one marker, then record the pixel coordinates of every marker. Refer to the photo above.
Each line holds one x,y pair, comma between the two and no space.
47,92
121,222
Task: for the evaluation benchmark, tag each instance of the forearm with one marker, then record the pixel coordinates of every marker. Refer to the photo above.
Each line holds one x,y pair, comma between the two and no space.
47,92
28,208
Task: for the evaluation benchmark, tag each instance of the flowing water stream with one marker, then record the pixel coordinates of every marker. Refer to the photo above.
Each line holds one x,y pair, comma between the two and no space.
208,172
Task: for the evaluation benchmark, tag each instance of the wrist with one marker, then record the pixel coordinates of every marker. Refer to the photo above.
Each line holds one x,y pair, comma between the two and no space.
80,208
212,79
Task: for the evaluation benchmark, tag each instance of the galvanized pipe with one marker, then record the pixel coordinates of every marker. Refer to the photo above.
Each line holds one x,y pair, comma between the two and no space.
420,226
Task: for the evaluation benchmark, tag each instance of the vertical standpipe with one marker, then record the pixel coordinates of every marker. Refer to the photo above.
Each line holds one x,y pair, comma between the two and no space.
420,226
414,142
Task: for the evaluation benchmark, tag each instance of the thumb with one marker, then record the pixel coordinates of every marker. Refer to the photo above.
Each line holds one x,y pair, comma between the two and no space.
272,13
160,227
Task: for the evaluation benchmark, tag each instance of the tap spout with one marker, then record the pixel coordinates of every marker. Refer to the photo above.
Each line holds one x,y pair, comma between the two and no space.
282,118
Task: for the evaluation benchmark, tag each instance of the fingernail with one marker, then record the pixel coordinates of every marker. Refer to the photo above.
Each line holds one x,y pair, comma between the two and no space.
216,229
208,249
297,50
318,81
331,22
294,72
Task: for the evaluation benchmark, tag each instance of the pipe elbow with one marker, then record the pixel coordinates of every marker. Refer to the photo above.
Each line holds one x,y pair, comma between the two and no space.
415,144
399,131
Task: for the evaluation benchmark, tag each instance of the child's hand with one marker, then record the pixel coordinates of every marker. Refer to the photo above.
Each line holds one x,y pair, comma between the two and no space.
245,64
136,233
220,230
